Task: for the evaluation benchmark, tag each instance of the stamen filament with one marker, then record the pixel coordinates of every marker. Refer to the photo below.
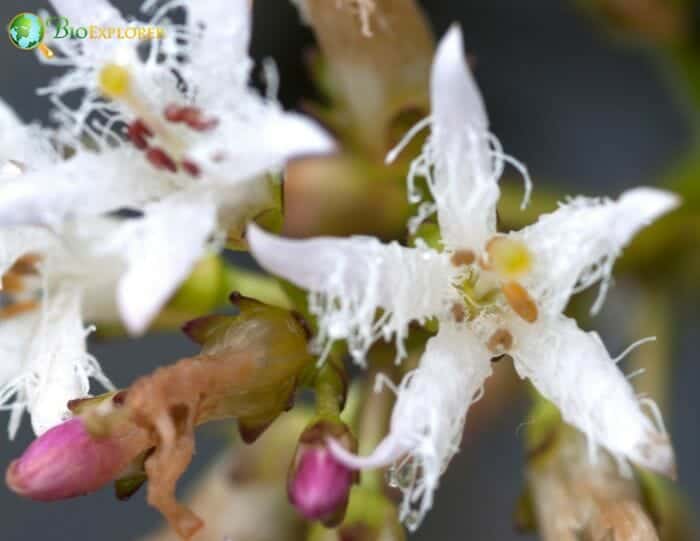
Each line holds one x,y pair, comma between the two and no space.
116,83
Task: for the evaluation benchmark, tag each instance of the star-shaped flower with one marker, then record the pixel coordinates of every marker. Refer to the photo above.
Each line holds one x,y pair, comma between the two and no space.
491,293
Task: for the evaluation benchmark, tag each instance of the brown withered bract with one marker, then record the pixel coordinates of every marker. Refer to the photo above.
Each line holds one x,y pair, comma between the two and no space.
248,369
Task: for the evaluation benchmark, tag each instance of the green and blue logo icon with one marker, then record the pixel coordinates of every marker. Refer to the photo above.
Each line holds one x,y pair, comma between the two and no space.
26,32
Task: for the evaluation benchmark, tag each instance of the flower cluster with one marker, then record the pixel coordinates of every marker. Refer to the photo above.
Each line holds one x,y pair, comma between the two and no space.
169,155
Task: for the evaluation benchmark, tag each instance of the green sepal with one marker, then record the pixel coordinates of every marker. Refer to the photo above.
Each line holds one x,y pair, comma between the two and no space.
202,329
126,487
251,430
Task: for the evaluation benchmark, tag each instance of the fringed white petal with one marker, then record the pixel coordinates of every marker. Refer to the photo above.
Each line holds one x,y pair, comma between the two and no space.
349,279
226,23
428,418
52,365
86,184
456,101
258,138
461,160
430,413
160,250
576,246
573,369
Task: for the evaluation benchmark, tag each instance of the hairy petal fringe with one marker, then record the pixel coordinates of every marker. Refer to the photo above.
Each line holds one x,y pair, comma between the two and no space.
351,280
428,419
52,365
577,245
573,369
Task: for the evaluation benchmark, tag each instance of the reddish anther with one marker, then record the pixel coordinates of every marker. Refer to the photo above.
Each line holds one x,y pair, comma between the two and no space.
160,160
191,116
173,113
138,132
185,114
202,124
194,118
191,167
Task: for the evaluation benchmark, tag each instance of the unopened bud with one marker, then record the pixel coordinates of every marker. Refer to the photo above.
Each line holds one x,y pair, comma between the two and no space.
66,462
318,485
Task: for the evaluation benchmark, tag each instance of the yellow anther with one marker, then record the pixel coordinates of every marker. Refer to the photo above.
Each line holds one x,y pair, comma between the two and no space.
114,81
510,258
520,301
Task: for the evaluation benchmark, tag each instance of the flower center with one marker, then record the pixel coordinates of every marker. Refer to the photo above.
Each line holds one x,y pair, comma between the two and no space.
115,82
495,275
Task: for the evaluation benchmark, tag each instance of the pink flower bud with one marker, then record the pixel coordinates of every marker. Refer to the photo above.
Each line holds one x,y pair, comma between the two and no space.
318,485
66,462
321,484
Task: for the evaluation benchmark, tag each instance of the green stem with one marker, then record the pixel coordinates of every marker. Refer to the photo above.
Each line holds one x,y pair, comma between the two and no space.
329,382
253,284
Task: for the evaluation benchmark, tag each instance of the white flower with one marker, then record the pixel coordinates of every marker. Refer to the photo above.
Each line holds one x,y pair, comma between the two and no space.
201,142
191,93
491,293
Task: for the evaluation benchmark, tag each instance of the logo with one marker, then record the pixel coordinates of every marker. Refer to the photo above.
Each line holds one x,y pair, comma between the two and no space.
26,32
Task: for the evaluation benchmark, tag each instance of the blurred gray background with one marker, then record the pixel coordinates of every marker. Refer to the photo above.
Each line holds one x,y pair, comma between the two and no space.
579,109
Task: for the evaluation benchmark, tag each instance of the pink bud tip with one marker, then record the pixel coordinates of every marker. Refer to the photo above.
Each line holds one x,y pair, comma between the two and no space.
321,485
63,463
